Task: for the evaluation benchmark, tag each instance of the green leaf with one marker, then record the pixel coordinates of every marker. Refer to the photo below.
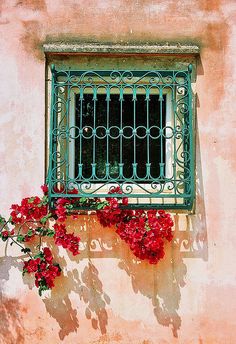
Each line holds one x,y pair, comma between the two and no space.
2,220
82,200
50,233
30,232
31,199
39,255
44,219
69,206
100,206
4,238
20,238
24,272
44,201
42,288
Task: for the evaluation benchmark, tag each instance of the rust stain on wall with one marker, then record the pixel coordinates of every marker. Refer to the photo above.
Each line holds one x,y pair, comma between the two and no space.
32,39
213,5
67,25
32,4
11,321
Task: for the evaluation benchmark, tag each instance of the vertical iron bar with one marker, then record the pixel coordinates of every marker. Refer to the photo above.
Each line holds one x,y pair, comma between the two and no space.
148,133
52,125
174,100
67,89
134,132
148,165
160,100
94,132
94,125
192,136
121,138
107,131
161,131
81,99
81,124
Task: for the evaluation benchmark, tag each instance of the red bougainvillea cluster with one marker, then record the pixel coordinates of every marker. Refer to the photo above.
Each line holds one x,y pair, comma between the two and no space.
144,231
68,241
44,269
32,219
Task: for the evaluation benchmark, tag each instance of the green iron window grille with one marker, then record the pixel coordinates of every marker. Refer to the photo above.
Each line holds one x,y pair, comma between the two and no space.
132,129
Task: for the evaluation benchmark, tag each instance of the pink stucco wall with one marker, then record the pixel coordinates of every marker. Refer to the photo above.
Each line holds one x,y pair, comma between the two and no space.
105,296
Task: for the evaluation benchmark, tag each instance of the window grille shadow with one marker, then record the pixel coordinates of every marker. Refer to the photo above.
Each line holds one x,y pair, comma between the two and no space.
160,283
192,235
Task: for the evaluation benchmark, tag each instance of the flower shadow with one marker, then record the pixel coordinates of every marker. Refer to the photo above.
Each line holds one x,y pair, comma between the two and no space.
83,281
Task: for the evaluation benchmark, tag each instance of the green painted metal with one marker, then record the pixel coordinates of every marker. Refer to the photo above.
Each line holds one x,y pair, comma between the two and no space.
132,129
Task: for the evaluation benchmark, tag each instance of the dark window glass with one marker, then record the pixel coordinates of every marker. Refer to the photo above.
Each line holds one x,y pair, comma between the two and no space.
133,145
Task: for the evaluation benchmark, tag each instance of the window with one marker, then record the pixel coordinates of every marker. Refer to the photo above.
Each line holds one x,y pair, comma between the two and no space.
127,128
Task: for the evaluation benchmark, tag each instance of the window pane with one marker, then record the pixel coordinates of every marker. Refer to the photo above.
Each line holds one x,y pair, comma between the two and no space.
94,115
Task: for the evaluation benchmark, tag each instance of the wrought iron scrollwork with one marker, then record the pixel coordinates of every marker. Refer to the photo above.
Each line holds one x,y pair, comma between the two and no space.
132,129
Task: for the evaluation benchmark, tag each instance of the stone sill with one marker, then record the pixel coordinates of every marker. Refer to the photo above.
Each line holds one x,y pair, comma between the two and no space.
96,48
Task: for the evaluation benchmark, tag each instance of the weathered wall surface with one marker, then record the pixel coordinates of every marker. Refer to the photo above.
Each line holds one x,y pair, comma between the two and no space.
106,296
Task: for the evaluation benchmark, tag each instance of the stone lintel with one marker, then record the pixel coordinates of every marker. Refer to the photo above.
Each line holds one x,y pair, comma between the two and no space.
97,48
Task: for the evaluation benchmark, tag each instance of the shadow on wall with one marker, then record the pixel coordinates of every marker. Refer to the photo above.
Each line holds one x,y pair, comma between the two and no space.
95,243
87,285
12,328
161,284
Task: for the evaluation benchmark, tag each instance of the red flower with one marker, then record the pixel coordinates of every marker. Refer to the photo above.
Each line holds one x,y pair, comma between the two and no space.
115,190
43,268
44,188
125,201
47,254
73,191
5,234
30,209
31,265
143,231
68,241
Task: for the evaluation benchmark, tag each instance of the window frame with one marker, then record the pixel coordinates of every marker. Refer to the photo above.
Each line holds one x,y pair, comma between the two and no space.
187,206
72,114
